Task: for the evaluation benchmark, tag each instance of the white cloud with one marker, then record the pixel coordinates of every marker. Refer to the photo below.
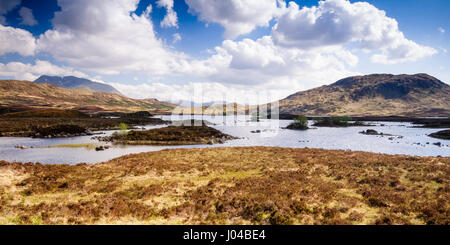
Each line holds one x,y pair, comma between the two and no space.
16,40
106,37
339,22
441,30
249,54
31,72
27,17
171,18
255,64
239,71
238,17
176,37
202,92
403,51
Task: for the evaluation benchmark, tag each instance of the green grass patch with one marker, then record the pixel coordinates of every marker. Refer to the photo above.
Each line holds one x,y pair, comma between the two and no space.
89,146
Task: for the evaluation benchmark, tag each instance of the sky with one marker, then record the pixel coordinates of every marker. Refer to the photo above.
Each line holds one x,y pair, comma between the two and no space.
248,51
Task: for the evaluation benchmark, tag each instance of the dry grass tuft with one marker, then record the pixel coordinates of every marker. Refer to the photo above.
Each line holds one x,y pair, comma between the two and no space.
251,185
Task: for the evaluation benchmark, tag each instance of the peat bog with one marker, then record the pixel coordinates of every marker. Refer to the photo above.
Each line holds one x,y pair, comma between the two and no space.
248,185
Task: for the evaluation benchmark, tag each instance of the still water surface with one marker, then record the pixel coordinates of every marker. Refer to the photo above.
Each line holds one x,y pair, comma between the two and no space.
406,140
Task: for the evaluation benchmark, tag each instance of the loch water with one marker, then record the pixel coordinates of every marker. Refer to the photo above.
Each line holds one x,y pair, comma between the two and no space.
405,139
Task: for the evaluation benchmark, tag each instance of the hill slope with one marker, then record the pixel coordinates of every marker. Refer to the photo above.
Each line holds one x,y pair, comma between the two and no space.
72,82
377,95
24,94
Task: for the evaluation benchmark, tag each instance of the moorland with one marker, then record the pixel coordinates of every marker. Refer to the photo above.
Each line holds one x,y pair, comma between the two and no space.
249,185
53,123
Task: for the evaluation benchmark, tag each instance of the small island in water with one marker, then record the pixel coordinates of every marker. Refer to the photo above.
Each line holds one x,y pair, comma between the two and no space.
171,135
444,134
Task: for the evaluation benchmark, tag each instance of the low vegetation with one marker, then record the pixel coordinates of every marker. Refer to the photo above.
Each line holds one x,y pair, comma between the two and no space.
374,132
300,123
38,123
444,134
123,126
172,135
60,130
432,122
123,114
251,185
48,113
88,146
337,122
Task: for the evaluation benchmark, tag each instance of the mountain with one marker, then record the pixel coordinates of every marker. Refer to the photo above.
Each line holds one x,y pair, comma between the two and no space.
22,95
375,95
72,82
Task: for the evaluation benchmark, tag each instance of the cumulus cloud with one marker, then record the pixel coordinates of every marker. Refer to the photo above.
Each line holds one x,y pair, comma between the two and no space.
404,51
171,18
16,40
260,62
168,92
441,30
236,69
339,22
176,37
202,92
249,54
27,17
31,72
238,17
106,37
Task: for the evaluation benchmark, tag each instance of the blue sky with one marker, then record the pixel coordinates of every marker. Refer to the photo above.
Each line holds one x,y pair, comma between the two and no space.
269,46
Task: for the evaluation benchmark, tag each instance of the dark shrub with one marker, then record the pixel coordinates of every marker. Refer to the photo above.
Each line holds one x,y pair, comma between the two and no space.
300,123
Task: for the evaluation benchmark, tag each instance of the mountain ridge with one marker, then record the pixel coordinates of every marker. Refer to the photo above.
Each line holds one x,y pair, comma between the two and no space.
370,95
72,82
29,95
373,95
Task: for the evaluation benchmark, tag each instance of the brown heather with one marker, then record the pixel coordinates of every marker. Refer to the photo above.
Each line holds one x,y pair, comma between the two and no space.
29,95
251,185
373,95
27,126
171,135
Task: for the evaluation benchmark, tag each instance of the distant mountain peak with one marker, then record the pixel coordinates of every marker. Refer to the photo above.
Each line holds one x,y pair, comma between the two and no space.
24,95
421,79
374,94
72,82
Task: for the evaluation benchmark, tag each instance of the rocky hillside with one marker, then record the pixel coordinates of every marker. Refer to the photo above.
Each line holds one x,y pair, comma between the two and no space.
72,82
377,95
21,95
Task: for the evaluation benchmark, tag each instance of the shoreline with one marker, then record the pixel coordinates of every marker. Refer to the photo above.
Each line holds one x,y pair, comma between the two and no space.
194,147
